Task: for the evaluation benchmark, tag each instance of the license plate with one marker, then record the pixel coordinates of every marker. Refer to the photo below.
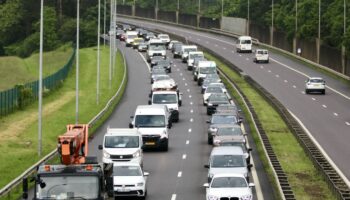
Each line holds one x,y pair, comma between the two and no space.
150,143
124,190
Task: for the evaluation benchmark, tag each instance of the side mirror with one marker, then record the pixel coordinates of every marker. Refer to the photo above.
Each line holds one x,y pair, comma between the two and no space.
170,124
100,147
250,166
145,173
206,185
180,102
149,102
208,121
131,126
206,166
249,149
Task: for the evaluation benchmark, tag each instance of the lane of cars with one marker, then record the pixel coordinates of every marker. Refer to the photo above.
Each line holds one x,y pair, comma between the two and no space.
228,164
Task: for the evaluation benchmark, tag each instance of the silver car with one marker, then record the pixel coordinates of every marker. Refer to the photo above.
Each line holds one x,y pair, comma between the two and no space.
227,159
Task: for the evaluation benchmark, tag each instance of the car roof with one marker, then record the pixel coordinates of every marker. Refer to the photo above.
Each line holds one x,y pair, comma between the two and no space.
245,38
121,131
227,150
316,78
150,109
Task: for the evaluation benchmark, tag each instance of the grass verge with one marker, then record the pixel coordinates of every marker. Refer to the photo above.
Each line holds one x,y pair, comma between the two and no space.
59,110
15,70
303,177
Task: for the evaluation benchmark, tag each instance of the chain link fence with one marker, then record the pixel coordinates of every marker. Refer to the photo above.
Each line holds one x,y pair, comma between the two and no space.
23,95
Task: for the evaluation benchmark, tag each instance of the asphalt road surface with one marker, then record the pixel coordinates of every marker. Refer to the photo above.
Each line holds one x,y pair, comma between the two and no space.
326,117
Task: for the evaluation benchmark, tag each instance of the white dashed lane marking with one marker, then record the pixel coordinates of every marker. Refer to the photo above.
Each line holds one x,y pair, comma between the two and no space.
269,71
294,86
191,103
187,141
240,55
262,67
277,76
189,96
180,74
189,130
188,90
247,58
184,156
224,48
185,84
173,197
347,123
285,81
313,99
179,174
335,114
183,79
191,111
324,106
191,120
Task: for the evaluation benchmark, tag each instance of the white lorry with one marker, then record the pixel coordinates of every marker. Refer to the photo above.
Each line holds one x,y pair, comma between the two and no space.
155,48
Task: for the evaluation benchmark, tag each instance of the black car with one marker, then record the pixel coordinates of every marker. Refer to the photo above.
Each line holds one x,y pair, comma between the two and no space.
166,64
221,119
177,50
119,33
216,99
149,35
157,72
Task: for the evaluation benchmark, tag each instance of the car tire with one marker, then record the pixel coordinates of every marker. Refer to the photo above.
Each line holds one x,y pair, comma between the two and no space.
210,140
306,91
165,147
267,61
323,92
195,78
144,196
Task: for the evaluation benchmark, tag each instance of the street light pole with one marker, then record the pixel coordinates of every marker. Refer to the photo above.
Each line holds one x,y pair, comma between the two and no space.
40,78
110,45
98,54
222,9
104,23
77,69
248,17
272,22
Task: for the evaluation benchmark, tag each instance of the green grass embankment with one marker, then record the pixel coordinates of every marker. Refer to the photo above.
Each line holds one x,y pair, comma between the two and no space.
19,130
15,70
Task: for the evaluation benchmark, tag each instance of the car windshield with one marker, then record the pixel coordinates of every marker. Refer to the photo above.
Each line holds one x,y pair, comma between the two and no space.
262,52
192,56
316,81
68,187
208,81
127,171
158,72
223,119
164,37
156,47
235,144
229,131
222,161
228,182
207,70
121,141
164,62
186,50
157,58
132,36
164,98
218,97
213,90
163,77
150,121
138,40
246,41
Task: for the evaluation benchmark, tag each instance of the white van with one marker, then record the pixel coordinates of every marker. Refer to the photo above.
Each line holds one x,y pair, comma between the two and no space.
203,69
244,44
155,48
153,122
185,49
129,37
122,145
164,38
191,56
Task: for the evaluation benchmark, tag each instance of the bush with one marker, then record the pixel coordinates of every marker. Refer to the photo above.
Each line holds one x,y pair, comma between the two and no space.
25,96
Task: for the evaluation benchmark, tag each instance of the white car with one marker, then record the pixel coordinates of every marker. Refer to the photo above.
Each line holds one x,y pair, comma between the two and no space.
129,180
315,84
171,43
229,186
164,38
261,55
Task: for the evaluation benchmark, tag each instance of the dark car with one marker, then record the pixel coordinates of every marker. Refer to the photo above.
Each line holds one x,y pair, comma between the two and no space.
119,33
155,60
157,72
149,35
228,108
142,32
166,64
207,82
177,50
216,99
221,119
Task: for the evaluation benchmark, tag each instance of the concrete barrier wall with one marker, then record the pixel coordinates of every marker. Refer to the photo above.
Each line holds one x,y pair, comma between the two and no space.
234,25
260,32
308,49
124,9
188,19
167,16
281,41
145,12
331,57
206,22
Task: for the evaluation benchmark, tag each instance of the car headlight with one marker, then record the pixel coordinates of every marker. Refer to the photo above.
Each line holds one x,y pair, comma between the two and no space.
217,141
212,197
136,154
246,197
163,135
140,184
106,155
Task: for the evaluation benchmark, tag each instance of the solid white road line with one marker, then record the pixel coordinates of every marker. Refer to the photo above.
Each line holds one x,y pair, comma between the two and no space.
144,59
173,197
179,174
347,182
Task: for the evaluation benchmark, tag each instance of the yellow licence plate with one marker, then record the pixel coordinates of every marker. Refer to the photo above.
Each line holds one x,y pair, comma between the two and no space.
150,143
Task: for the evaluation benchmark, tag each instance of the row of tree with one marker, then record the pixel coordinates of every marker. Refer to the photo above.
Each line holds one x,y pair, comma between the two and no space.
19,25
332,15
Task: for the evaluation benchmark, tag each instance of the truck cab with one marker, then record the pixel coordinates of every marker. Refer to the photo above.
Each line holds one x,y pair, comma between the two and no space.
122,145
244,44
156,47
203,69
153,122
129,37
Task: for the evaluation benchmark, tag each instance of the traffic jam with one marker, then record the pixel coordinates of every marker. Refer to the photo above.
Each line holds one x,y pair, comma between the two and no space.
229,162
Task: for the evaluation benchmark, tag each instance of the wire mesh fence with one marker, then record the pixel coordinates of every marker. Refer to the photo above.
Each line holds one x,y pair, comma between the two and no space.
23,95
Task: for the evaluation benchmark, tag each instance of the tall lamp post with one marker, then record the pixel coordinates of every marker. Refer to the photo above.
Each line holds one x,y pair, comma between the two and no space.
296,28
272,23
77,68
343,47
98,54
40,78
248,17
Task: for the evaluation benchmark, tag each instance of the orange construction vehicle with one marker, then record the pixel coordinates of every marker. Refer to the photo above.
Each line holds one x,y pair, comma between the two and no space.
78,177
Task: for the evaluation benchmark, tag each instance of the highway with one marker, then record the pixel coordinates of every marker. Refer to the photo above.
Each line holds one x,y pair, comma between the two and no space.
326,117
178,173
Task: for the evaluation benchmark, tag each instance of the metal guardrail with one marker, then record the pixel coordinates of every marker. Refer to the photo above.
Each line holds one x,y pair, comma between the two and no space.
31,170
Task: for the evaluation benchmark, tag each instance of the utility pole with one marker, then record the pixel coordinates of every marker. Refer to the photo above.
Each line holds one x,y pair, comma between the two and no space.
343,47
40,78
199,13
272,23
77,69
98,54
296,29
110,45
248,17
318,40
104,23
177,11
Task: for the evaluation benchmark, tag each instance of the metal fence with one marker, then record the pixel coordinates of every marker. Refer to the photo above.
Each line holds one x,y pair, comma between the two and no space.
21,95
